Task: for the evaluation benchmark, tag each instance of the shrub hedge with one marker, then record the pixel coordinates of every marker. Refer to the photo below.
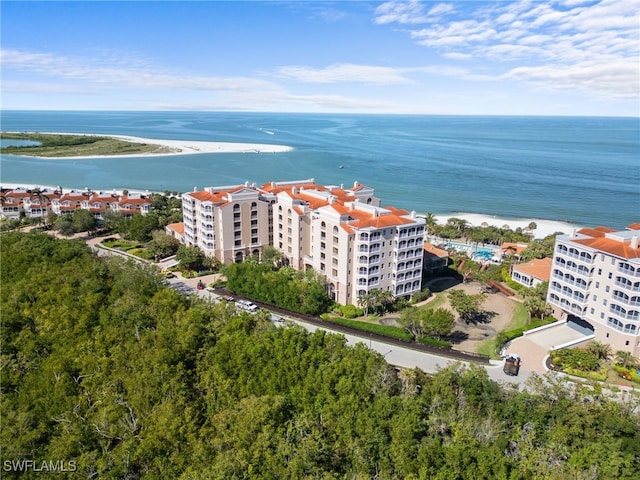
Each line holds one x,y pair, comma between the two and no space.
434,342
386,330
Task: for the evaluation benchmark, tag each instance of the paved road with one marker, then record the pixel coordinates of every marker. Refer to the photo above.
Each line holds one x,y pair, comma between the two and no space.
395,355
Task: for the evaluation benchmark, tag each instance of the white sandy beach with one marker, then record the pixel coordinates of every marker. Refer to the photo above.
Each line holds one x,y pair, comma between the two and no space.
543,227
178,147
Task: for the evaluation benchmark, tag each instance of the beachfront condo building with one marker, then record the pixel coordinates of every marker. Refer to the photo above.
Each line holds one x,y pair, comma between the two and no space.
342,233
595,279
229,223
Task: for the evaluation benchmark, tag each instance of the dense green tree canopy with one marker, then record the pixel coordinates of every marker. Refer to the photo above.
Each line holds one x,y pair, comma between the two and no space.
105,366
285,287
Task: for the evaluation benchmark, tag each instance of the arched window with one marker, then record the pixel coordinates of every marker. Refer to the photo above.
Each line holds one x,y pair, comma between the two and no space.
615,323
236,207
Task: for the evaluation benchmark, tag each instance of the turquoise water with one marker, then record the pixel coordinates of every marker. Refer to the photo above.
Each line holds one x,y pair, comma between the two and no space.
471,249
584,169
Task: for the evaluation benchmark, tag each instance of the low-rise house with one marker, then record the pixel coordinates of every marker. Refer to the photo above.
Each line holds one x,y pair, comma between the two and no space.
512,249
435,259
134,203
69,202
532,273
24,202
100,202
176,230
12,202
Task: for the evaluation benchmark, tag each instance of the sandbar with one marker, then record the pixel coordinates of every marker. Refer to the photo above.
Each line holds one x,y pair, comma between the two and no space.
178,147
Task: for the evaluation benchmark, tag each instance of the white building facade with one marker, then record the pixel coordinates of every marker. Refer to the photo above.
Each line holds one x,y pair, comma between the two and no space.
595,277
343,234
229,223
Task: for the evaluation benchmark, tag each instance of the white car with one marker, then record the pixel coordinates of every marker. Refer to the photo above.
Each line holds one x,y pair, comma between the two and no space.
248,306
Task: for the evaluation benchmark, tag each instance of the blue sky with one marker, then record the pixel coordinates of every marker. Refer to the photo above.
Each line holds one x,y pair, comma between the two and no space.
523,57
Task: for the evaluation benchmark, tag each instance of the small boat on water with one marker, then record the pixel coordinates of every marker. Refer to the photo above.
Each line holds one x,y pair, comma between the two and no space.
341,166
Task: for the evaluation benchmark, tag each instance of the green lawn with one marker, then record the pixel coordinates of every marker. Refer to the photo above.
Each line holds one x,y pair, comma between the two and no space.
519,319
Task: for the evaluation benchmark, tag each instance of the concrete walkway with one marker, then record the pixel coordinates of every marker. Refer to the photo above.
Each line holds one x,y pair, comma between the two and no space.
534,347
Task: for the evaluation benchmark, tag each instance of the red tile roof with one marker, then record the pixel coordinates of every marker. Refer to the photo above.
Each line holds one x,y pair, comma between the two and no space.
539,268
608,245
177,227
433,250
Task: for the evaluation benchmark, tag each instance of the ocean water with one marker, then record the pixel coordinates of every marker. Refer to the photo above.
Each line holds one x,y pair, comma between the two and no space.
584,170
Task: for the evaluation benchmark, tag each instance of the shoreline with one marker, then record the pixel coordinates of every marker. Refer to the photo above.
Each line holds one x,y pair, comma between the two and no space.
544,227
180,147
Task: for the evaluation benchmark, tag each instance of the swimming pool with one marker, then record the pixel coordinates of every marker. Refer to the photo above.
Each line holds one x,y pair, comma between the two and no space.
473,251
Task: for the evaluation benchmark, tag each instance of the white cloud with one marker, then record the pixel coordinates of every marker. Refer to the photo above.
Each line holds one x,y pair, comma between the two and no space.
457,56
410,12
345,73
553,43
136,74
441,9
617,79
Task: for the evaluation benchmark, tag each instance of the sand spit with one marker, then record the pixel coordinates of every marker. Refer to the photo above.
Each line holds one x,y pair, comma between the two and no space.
178,147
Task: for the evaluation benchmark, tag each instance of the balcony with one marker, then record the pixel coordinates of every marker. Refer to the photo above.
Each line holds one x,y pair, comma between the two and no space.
628,286
622,298
629,271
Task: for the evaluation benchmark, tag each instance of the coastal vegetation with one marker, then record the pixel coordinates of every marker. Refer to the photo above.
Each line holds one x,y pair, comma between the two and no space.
70,145
285,287
461,229
596,361
105,366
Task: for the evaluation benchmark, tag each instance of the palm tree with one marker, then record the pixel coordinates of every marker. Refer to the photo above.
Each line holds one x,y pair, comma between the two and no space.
385,299
366,301
430,223
460,224
626,360
42,200
602,351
